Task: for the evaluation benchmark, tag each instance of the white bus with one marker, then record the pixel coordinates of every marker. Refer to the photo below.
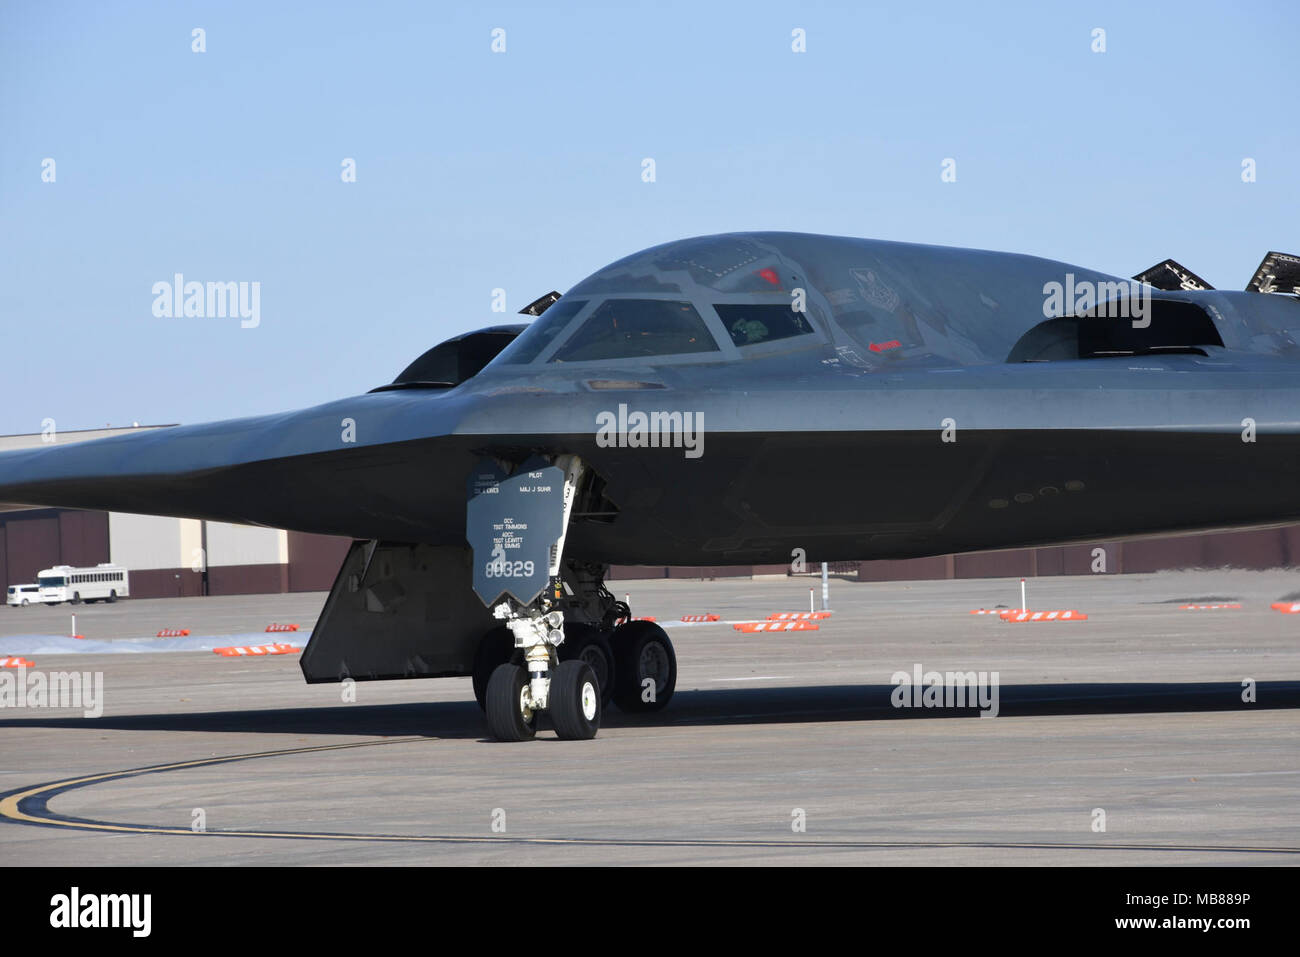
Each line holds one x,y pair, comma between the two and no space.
65,583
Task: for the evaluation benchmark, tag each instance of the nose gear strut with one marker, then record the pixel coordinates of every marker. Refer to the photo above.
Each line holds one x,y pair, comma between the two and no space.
516,526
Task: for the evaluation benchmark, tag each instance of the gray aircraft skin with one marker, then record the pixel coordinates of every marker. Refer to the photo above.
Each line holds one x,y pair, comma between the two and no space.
850,398
832,440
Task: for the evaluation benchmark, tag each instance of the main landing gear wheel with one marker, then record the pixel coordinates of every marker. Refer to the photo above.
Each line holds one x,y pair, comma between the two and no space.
588,643
494,649
642,653
509,715
575,701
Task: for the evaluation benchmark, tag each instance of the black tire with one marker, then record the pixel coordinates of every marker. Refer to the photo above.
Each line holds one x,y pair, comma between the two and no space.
575,701
643,650
76,598
112,596
588,643
494,649
505,716
25,603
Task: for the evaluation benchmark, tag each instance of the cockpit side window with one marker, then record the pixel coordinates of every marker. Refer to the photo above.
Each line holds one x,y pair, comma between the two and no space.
534,340
631,328
751,323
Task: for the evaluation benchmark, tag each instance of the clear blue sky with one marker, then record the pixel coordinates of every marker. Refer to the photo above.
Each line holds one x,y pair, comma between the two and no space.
522,170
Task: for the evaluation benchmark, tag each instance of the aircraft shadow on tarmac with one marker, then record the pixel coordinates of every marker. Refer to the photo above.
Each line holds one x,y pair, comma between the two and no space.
720,707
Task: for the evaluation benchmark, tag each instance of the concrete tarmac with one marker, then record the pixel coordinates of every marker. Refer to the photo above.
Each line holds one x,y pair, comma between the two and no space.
1135,715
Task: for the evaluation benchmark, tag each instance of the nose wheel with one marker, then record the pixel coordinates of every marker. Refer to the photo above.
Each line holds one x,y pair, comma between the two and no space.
510,714
575,701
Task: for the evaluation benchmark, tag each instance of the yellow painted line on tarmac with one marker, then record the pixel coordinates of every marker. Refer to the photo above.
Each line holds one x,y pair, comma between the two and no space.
10,804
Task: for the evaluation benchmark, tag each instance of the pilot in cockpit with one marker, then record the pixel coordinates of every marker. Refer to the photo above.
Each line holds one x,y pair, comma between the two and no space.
746,332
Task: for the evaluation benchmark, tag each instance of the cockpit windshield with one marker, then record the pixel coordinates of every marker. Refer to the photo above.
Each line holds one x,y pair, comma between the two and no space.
631,328
538,337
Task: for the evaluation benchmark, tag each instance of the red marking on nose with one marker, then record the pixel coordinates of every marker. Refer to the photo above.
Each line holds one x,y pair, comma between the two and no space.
771,276
882,346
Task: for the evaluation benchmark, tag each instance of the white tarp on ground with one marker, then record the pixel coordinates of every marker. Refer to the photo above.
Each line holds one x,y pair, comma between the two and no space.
29,645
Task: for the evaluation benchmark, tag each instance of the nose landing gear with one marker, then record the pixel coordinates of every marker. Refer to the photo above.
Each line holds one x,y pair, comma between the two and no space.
572,671
558,649
568,690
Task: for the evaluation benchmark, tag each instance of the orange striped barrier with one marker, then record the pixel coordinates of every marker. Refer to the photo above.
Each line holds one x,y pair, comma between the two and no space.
753,626
701,618
646,618
173,633
1286,607
1014,615
1208,607
16,662
274,627
990,611
799,616
256,650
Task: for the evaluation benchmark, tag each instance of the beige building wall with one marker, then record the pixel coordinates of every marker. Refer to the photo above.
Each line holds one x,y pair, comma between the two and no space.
230,544
152,541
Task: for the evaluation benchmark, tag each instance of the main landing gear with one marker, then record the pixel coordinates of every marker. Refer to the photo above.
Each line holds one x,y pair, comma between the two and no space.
645,669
